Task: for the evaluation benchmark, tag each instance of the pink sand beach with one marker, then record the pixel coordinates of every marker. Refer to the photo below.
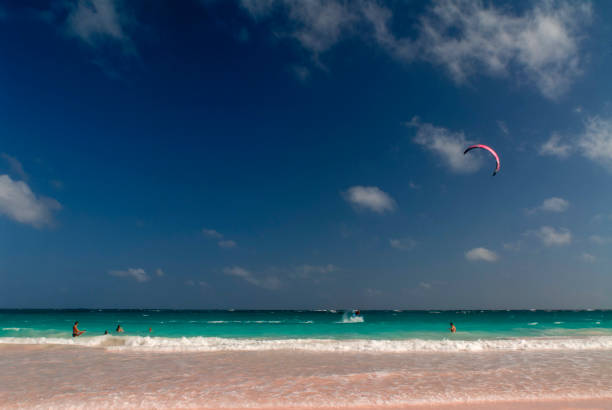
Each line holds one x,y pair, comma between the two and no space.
72,377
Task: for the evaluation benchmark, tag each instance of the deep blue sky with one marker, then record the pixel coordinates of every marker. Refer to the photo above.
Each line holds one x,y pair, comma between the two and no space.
305,154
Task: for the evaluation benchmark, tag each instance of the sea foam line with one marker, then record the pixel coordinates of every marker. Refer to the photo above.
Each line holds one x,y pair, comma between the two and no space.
217,344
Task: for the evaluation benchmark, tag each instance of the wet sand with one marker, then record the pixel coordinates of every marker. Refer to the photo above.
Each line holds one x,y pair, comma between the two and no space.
80,377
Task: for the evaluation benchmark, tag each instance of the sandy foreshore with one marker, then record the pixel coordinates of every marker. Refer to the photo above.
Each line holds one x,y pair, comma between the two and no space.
54,376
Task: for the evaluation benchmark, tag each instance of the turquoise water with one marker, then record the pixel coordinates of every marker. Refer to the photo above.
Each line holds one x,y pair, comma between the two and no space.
328,324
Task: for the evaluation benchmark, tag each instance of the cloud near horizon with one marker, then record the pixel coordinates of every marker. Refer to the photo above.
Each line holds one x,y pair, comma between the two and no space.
137,274
370,198
268,282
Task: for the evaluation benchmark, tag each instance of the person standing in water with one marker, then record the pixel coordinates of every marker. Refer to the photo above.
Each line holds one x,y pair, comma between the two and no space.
75,330
453,329
119,329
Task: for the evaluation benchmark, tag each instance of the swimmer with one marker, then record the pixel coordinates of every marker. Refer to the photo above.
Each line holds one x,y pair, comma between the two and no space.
75,330
119,329
453,329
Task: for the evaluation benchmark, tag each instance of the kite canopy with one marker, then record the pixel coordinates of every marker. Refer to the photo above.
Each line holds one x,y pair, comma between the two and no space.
488,149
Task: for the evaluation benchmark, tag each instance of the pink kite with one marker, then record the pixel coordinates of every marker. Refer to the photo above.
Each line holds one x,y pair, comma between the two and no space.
488,149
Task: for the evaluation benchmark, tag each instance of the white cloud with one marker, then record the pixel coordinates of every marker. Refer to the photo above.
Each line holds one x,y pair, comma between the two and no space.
96,21
553,204
138,274
481,254
18,202
595,142
555,147
554,237
413,185
425,285
226,244
371,198
159,272
268,282
447,145
405,244
587,257
211,233
15,166
540,45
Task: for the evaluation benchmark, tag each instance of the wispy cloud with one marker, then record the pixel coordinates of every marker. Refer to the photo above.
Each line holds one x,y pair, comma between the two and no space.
513,246
15,166
372,292
481,254
159,272
312,271
211,233
370,198
555,147
595,142
404,244
18,202
542,44
600,240
431,284
446,144
587,257
467,38
223,243
503,127
227,243
138,274
96,22
553,237
267,282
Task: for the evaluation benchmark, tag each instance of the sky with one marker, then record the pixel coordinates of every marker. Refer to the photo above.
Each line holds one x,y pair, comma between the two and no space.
281,154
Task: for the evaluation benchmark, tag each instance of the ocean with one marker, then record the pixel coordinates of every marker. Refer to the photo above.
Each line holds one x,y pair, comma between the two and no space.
243,330
302,359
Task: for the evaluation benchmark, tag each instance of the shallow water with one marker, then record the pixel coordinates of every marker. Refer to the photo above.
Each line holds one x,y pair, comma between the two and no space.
328,324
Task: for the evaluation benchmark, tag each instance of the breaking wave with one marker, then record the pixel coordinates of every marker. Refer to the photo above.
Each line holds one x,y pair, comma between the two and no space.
217,344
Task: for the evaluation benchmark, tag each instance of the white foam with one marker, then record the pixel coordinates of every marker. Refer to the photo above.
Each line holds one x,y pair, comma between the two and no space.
532,323
217,344
12,328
